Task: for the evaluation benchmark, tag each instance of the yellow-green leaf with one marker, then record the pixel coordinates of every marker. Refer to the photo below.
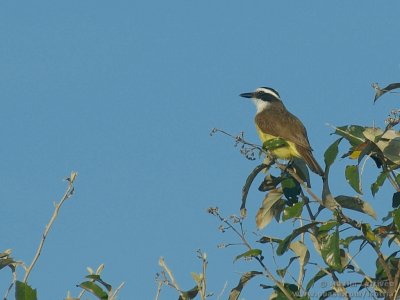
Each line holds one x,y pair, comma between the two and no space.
250,253
378,183
353,178
24,292
330,251
292,211
331,153
94,289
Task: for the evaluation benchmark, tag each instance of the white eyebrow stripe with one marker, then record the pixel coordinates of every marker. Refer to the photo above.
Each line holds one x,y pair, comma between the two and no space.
268,91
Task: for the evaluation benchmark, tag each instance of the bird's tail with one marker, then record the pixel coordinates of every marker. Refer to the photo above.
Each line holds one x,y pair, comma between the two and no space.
308,157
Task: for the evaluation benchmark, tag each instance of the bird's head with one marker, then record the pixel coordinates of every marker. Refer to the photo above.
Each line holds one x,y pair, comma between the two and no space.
263,97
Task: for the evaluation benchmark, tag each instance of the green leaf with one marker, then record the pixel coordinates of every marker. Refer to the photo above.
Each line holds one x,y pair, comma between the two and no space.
396,200
190,294
326,226
368,233
97,278
397,178
94,289
271,206
353,178
250,253
246,187
396,218
380,273
291,189
291,212
284,245
330,251
235,292
280,295
320,274
275,143
268,239
357,204
24,292
352,133
378,183
331,153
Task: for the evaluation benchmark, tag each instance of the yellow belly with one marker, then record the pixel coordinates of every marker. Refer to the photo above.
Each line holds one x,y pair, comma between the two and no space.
286,151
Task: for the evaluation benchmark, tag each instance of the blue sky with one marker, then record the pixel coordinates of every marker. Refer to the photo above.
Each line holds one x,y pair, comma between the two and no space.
126,93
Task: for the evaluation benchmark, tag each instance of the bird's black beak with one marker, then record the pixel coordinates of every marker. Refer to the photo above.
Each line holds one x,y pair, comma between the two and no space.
247,95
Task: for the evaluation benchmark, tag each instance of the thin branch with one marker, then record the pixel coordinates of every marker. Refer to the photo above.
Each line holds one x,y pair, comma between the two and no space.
114,295
160,284
173,282
14,275
222,291
392,180
301,182
307,204
268,273
203,285
341,287
68,193
240,139
397,292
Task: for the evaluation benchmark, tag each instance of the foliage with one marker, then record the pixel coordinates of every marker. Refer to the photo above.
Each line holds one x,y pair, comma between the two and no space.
93,283
327,228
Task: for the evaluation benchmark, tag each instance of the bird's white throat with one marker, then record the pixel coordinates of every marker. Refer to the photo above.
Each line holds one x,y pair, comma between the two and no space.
260,104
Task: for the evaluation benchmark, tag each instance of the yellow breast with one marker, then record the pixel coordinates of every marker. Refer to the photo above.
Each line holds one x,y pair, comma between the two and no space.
286,150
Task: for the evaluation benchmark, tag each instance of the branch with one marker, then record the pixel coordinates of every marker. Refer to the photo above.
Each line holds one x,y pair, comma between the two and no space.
159,286
68,193
392,180
215,212
14,275
174,284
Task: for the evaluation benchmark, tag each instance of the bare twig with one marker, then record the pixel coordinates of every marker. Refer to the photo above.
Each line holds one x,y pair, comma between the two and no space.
339,286
222,291
173,282
159,286
268,273
14,275
202,284
68,193
393,182
397,291
113,295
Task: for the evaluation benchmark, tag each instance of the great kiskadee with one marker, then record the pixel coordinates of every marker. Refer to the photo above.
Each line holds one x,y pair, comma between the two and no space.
274,121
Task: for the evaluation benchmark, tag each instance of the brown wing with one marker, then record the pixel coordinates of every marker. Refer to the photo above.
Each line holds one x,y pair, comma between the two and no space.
281,123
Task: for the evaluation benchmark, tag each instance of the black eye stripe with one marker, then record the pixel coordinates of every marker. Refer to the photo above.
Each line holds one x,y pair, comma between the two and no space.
266,96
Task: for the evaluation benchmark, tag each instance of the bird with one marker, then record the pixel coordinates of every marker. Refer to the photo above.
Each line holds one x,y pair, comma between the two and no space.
273,121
